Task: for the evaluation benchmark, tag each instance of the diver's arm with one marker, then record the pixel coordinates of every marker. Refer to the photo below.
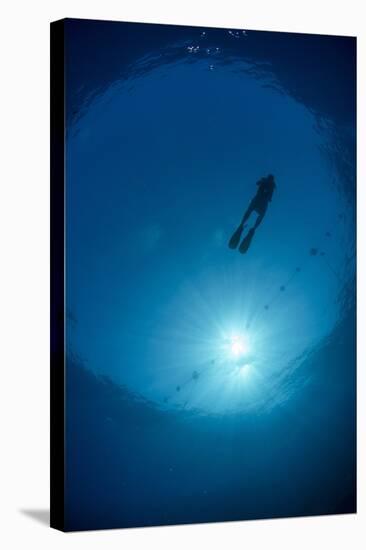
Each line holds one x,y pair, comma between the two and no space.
271,193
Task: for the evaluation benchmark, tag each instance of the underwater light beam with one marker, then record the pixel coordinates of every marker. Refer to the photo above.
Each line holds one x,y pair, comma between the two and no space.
238,346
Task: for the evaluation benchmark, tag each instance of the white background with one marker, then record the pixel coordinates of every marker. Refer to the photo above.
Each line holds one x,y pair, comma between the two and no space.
24,273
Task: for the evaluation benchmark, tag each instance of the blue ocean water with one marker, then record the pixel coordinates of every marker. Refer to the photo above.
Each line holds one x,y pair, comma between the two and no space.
203,384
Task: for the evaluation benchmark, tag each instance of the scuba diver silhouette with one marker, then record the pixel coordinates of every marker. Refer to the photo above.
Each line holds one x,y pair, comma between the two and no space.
259,204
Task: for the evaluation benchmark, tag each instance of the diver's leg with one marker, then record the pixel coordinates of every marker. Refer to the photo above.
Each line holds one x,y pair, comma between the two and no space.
261,212
247,214
235,239
259,221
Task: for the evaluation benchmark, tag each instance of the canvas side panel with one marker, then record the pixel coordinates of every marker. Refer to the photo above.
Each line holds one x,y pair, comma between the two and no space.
57,474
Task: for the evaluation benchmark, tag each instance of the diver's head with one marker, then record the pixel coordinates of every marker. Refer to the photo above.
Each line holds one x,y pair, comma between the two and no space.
271,180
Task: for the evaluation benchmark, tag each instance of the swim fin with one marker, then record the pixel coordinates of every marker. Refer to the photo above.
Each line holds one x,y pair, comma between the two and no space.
246,241
235,239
